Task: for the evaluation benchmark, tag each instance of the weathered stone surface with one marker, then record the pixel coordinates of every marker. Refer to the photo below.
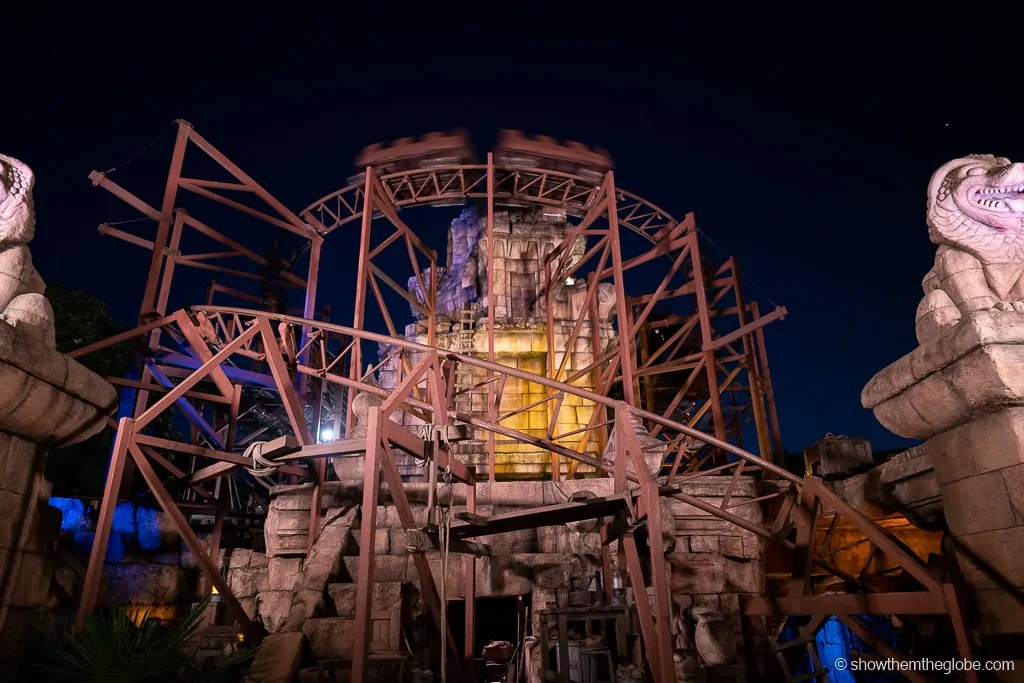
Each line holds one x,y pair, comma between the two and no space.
46,394
278,658
989,443
330,638
703,544
323,563
977,503
247,582
12,511
653,449
148,584
1013,480
44,397
838,456
562,539
996,552
17,464
274,608
305,605
188,560
999,611
283,573
381,541
710,573
972,370
31,584
386,568
239,557
343,597
731,546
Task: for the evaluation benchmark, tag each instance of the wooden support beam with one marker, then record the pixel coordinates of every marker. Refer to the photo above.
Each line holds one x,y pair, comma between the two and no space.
202,352
367,533
111,489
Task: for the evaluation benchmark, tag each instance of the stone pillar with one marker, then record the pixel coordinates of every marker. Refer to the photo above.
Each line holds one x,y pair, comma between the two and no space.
963,392
46,400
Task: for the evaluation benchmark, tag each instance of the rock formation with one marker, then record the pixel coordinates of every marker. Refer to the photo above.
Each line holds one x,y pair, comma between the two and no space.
22,304
976,216
457,283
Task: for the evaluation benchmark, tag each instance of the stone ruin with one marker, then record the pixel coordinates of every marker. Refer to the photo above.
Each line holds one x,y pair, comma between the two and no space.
962,389
522,239
47,400
712,563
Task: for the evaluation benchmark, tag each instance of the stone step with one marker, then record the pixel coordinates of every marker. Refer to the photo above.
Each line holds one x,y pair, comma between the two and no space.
387,595
330,637
277,658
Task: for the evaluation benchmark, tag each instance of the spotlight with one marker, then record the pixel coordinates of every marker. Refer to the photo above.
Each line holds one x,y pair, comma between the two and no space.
326,435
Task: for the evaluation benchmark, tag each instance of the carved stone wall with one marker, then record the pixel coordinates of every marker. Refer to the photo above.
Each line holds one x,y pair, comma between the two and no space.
711,563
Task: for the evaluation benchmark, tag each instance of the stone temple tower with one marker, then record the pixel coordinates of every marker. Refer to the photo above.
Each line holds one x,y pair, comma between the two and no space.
522,239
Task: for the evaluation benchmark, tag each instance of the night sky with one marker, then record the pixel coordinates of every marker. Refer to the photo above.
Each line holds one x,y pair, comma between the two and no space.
802,143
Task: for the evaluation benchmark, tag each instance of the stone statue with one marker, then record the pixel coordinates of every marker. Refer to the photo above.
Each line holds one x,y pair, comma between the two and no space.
22,304
605,300
976,216
456,283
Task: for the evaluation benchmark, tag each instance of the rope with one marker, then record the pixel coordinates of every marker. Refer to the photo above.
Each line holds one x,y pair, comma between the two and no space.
444,530
262,467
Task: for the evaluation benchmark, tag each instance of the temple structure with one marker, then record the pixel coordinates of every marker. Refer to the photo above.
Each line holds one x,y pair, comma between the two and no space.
522,240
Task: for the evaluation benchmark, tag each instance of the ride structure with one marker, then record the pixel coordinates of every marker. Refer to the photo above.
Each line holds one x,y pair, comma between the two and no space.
687,364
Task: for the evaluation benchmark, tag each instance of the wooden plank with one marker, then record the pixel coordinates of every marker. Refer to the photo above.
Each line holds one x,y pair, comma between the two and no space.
548,515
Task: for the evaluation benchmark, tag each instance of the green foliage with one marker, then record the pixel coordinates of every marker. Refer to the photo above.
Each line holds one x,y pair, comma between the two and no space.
111,648
80,318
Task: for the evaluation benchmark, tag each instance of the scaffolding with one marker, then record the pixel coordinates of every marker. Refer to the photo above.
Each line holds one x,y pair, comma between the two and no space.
209,362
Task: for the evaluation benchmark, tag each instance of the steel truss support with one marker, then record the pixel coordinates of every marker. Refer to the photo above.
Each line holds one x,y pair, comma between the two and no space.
712,348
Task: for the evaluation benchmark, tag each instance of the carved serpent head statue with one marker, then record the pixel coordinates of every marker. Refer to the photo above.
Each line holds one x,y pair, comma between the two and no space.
976,203
17,222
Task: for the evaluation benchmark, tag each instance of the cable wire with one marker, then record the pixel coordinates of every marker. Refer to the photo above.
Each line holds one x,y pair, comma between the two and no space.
141,151
743,274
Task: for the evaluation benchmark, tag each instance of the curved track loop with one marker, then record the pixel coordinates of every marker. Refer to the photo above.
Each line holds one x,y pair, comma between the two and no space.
230,322
425,186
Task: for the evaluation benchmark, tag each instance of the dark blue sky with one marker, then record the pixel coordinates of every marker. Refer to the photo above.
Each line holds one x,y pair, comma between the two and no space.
802,143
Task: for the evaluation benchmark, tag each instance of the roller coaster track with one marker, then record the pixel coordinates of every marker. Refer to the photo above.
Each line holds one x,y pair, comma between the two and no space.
541,187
